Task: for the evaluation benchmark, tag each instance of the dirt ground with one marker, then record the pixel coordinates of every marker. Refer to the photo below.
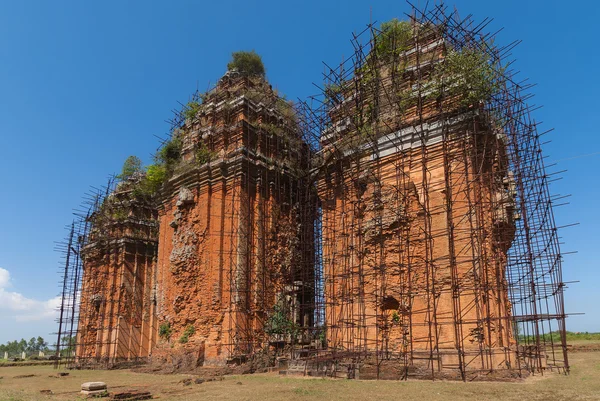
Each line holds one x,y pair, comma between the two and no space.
582,384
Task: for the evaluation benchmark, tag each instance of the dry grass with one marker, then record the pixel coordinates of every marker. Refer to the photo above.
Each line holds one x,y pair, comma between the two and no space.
582,384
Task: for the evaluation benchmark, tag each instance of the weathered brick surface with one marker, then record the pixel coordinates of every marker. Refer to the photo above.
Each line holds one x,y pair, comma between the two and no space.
414,240
228,253
417,220
414,248
116,316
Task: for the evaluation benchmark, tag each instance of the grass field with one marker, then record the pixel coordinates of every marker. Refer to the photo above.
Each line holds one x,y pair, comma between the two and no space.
582,384
570,336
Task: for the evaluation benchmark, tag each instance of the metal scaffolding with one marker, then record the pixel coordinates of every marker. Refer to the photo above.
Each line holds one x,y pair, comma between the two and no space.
398,224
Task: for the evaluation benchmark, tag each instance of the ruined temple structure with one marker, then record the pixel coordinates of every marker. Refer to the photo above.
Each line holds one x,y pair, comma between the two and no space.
398,224
117,311
229,247
227,255
418,215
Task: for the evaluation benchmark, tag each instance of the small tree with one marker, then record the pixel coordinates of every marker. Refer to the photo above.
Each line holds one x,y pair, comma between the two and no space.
68,345
155,175
41,344
12,347
22,345
247,63
31,346
131,166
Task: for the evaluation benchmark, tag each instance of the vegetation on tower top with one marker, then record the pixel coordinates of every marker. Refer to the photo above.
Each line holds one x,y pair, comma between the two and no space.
247,63
469,74
394,38
132,165
451,78
152,177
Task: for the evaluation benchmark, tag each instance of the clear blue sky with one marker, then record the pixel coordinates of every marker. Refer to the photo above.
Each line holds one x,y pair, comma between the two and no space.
84,84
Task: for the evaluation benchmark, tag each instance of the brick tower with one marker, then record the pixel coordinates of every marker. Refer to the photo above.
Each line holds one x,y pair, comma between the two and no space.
417,209
117,313
230,256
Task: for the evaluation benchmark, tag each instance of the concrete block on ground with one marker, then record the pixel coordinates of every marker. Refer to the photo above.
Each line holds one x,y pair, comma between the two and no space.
93,386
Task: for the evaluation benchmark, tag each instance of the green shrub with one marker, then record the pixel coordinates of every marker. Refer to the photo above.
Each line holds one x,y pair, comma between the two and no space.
192,110
203,154
120,214
164,330
187,333
254,95
170,153
247,63
280,323
394,38
467,73
156,175
272,129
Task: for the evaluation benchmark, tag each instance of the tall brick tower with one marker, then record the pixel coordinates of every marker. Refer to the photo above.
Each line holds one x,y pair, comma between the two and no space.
417,208
117,313
230,256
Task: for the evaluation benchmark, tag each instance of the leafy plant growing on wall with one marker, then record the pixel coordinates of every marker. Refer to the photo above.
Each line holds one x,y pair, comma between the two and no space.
467,73
280,324
156,175
170,154
120,214
187,333
321,334
462,78
394,38
286,109
203,154
192,109
164,331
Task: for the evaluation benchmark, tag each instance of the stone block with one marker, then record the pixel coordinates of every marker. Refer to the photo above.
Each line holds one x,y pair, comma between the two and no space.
132,395
94,393
93,386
